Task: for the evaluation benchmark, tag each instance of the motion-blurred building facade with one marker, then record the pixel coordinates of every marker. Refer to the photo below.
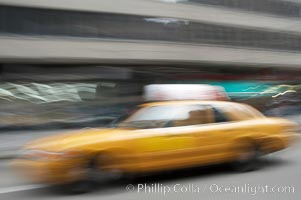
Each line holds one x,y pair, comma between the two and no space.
229,31
59,58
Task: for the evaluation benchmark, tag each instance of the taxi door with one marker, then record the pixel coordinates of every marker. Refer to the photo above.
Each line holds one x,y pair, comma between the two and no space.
213,138
172,146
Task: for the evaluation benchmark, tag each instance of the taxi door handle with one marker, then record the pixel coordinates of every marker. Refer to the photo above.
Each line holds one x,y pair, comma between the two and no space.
227,131
174,135
201,134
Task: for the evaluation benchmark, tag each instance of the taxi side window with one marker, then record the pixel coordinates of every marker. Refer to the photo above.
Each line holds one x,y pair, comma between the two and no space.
219,116
193,115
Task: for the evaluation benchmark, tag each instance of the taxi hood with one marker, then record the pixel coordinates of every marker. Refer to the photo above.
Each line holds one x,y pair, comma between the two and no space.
60,142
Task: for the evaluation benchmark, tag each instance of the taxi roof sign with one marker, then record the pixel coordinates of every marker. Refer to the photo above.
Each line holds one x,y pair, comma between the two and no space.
170,92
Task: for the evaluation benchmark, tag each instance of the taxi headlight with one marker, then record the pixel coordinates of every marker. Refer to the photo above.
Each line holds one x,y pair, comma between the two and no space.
35,154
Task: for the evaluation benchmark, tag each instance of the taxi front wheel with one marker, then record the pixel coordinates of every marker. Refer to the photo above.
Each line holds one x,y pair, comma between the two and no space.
87,183
93,176
248,158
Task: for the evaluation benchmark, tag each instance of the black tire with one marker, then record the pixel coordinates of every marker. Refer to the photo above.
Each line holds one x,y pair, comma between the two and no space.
248,158
87,184
79,187
94,175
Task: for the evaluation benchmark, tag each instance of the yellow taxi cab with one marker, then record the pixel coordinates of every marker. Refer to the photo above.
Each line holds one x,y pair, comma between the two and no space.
159,136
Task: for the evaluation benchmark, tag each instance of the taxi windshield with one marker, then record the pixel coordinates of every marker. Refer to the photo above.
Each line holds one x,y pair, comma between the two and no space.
158,116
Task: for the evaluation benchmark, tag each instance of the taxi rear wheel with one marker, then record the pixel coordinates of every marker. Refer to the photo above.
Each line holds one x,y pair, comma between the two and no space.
248,157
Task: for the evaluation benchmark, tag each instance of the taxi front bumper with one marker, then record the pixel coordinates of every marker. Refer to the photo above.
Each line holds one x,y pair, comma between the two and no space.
50,172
